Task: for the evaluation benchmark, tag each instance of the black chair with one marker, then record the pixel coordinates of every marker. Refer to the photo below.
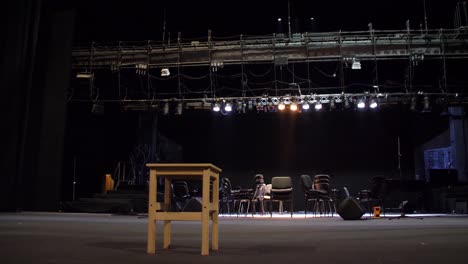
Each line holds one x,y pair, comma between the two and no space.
310,194
259,191
180,194
226,196
324,192
375,196
281,191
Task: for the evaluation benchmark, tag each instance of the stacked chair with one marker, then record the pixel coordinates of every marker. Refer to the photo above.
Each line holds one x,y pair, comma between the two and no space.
227,196
259,194
180,195
319,193
375,195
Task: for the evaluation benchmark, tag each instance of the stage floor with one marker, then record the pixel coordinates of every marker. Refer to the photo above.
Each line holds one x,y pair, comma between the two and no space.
101,238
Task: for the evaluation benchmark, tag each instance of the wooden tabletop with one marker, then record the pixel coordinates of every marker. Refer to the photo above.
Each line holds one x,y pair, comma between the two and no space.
184,165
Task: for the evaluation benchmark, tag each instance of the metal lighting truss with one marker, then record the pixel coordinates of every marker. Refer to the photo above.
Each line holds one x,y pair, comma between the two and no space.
347,49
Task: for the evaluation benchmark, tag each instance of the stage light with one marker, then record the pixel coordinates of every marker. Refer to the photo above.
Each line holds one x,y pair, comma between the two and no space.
373,104
180,108
84,75
356,65
324,100
427,105
166,109
227,107
305,106
318,106
216,107
239,106
279,19
347,105
293,107
332,104
281,106
275,100
312,18
250,105
361,104
414,102
165,72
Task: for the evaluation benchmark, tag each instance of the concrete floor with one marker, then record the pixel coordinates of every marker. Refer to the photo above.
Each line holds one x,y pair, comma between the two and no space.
92,238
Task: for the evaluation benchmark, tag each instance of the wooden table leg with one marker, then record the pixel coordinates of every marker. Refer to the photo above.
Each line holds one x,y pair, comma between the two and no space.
151,246
151,243
214,232
167,208
167,234
214,225
205,232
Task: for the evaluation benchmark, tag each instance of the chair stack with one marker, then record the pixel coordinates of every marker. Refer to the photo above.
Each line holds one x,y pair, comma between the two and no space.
319,193
375,196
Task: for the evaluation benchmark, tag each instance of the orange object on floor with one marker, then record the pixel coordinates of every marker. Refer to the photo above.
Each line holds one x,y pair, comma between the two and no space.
376,211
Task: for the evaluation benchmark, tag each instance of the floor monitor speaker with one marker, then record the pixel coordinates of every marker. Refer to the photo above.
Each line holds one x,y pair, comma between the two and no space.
349,209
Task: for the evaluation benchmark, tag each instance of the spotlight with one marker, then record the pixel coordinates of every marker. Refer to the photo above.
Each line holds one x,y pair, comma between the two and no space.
413,104
318,106
250,105
216,107
165,72
427,105
293,107
84,75
332,104
227,107
361,104
305,106
346,103
180,108
373,104
166,109
356,65
275,100
279,19
281,106
240,106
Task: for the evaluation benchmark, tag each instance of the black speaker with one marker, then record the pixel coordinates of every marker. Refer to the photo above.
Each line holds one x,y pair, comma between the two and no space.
193,205
349,209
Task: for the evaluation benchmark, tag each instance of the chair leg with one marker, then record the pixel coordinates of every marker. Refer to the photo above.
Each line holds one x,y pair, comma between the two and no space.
306,203
291,207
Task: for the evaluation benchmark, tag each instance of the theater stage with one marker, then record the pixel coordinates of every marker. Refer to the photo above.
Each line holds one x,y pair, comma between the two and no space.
101,238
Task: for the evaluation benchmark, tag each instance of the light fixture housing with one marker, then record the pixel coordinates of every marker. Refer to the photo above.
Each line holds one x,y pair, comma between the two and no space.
165,72
318,106
293,107
427,104
180,108
281,106
361,104
84,75
166,109
216,107
228,107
